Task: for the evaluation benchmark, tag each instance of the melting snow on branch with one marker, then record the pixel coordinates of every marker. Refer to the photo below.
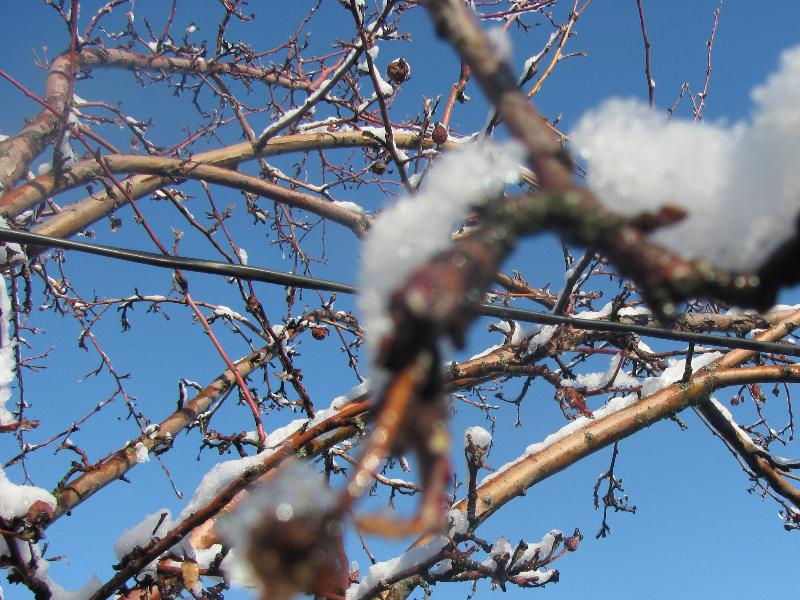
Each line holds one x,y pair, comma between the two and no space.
15,500
383,572
596,381
7,358
650,386
477,436
155,525
740,184
417,227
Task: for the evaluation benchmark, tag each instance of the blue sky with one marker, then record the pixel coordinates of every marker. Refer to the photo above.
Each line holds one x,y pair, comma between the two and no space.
696,533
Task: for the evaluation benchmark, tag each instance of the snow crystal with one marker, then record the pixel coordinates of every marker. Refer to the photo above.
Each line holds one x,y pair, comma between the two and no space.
15,500
296,490
596,314
377,132
517,335
486,352
417,227
739,185
674,372
220,476
384,87
224,473
540,576
318,126
477,436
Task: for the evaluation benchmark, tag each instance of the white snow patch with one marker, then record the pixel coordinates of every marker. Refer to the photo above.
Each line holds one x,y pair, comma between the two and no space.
486,352
411,231
224,311
8,362
383,571
140,535
15,500
610,407
545,333
458,522
142,453
632,311
477,436
674,372
377,132
595,381
739,184
542,549
242,254
349,206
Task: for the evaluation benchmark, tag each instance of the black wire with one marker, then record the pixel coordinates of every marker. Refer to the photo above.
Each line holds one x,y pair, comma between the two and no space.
646,330
300,281
198,265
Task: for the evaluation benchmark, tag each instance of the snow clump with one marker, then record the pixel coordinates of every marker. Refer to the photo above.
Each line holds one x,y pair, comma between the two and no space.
739,184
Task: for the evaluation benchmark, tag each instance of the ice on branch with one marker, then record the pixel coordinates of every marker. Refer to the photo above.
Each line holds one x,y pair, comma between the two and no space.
739,184
417,227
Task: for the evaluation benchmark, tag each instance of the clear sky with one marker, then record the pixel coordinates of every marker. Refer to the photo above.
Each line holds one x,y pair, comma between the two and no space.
696,532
